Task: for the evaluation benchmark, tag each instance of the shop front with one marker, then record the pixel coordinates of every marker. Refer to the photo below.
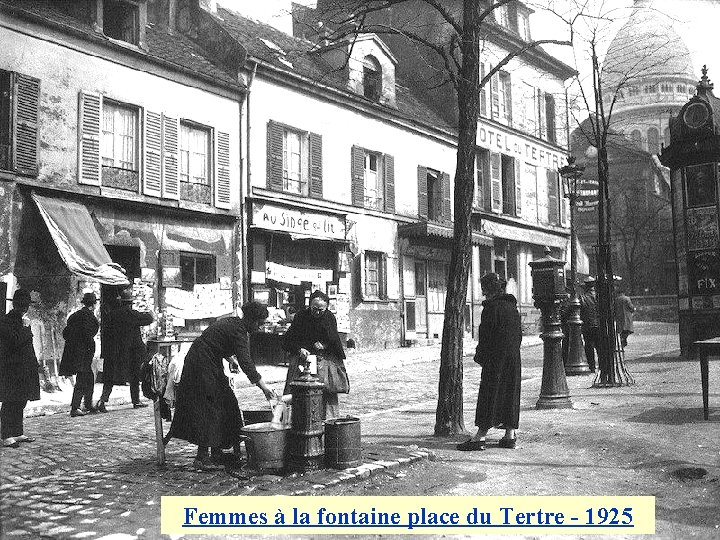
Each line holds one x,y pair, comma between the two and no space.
293,252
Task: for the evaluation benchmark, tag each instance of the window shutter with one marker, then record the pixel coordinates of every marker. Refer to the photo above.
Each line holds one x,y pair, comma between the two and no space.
486,181
171,163
383,277
483,92
518,187
316,186
563,205
389,178
550,117
508,98
422,193
274,156
542,121
222,171
26,95
496,182
495,96
89,170
361,276
552,187
393,278
446,204
152,177
357,173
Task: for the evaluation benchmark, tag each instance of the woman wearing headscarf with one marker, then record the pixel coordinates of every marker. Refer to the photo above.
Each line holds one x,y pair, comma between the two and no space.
206,411
498,352
314,331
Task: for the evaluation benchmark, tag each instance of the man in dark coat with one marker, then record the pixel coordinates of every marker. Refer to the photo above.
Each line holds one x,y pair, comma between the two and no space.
314,331
624,310
206,411
127,350
79,335
19,381
590,321
498,352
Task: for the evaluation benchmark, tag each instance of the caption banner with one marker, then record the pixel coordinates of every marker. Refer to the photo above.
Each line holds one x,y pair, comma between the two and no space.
408,515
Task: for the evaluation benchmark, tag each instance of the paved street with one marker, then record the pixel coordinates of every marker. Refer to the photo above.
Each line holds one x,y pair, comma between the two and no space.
95,476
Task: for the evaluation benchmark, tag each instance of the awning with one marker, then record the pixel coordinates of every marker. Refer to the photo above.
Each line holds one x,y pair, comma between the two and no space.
522,234
77,240
426,229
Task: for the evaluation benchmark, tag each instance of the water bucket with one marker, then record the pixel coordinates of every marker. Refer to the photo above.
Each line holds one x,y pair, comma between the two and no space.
266,446
255,416
343,447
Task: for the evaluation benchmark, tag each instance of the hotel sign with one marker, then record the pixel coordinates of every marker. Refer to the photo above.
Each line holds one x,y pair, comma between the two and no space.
293,221
496,139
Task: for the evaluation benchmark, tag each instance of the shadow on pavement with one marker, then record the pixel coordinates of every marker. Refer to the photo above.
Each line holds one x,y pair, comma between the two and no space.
674,416
657,359
688,515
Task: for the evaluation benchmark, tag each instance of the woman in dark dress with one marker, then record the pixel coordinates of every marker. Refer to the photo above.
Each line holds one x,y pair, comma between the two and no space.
314,331
206,411
498,352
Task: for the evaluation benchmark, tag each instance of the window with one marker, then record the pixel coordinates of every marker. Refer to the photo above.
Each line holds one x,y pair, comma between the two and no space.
434,194
420,279
650,89
374,278
524,25
680,88
502,16
691,90
119,149
196,269
195,163
372,78
501,97
666,88
653,140
500,259
121,20
633,90
636,137
295,158
437,285
508,185
530,113
19,97
373,181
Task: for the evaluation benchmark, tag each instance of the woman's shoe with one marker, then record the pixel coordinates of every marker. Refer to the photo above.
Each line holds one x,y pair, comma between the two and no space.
470,445
205,464
507,443
139,405
77,412
10,442
100,407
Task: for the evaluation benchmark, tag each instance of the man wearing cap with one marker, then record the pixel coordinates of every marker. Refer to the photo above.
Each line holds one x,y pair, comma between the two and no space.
128,350
79,335
19,381
590,321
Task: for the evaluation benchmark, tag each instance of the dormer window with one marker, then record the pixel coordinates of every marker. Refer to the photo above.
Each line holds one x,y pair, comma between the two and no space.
121,20
524,25
372,78
502,16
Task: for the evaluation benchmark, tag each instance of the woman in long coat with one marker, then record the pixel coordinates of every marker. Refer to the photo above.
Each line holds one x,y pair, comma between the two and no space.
78,353
206,411
498,352
314,331
19,381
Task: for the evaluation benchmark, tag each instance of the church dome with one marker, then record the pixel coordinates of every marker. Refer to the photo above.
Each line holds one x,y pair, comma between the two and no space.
647,50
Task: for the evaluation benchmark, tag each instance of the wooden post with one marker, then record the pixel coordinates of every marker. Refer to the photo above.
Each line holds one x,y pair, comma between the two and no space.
159,432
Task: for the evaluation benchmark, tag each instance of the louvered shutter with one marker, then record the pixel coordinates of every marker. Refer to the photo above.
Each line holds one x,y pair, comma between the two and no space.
550,117
316,186
518,187
507,91
357,173
542,126
496,182
552,190
483,92
362,279
563,205
171,161
223,197
422,193
274,156
389,176
382,276
26,94
152,177
446,204
486,181
90,112
495,96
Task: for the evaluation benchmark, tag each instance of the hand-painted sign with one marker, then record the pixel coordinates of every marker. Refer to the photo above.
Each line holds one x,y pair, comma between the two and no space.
293,221
497,139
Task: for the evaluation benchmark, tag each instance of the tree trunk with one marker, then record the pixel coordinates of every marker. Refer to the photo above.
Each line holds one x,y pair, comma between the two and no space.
449,414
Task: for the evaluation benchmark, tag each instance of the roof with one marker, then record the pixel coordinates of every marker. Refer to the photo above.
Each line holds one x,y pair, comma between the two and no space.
647,48
298,57
169,49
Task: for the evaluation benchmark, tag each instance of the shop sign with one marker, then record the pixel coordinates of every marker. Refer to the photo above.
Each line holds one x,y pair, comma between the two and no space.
295,276
278,218
496,140
528,236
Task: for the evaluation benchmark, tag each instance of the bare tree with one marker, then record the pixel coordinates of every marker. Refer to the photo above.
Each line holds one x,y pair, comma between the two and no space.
448,36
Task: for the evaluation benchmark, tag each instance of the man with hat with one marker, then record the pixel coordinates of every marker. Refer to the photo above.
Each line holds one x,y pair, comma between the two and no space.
79,335
19,381
590,321
127,350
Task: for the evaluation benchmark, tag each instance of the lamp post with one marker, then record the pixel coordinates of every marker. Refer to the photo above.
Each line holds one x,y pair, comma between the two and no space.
575,361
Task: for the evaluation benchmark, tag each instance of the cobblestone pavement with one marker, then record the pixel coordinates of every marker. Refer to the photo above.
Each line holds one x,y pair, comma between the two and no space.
95,476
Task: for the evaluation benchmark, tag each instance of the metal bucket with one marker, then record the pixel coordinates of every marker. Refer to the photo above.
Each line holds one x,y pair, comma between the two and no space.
266,446
255,416
343,447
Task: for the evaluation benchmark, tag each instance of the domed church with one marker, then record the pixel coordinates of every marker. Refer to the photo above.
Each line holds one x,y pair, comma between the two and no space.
650,64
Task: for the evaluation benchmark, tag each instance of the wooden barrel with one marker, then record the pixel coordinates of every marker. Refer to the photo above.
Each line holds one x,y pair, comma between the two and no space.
343,447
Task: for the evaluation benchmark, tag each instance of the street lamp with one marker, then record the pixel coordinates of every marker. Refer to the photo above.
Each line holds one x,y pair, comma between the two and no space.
575,362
